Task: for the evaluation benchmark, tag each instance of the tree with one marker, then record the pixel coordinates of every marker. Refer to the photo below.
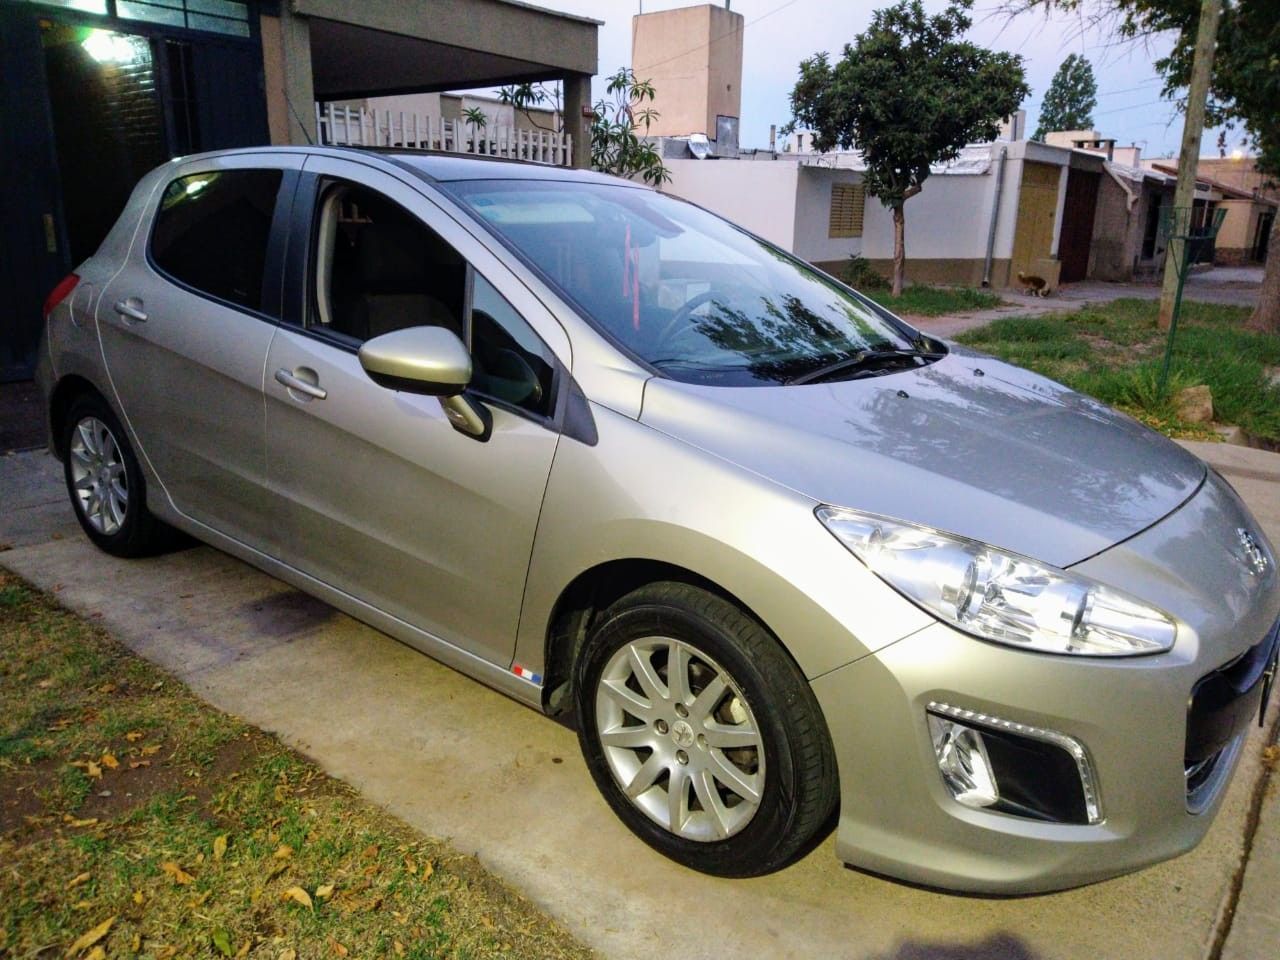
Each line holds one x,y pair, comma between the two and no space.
616,147
1244,90
476,120
909,92
1070,99
526,96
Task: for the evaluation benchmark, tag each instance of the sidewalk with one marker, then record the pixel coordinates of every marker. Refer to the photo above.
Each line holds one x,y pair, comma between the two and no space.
459,761
1234,286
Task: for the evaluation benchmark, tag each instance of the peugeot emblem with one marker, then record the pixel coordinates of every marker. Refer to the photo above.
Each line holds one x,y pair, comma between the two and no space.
1254,557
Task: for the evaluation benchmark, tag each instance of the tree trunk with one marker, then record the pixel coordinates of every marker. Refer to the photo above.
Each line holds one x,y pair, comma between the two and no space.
1266,316
899,249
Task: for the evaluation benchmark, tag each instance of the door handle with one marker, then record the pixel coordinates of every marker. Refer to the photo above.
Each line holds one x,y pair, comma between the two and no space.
283,376
132,309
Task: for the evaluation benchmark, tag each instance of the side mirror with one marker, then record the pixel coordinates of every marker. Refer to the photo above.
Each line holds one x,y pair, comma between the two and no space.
430,361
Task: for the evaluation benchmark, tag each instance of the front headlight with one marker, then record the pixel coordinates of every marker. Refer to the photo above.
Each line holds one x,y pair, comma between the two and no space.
1001,596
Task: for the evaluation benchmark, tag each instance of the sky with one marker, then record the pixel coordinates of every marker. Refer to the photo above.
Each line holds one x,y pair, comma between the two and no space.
780,33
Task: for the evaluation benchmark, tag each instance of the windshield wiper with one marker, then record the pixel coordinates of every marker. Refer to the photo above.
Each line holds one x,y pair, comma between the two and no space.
861,361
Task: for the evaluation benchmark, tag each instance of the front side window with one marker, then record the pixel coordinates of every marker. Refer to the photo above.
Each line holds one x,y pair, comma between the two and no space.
212,229
378,268
681,289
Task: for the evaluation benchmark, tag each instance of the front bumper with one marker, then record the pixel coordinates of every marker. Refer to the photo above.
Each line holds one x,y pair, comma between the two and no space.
897,815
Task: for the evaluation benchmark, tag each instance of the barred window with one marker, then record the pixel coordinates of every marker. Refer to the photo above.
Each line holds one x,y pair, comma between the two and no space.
847,203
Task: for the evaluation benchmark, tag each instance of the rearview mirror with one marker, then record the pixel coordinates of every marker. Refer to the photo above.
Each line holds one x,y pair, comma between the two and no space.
430,361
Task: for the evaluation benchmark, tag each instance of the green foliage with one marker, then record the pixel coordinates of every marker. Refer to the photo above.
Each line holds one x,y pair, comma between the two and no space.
859,274
1113,352
616,147
1071,98
909,92
526,96
920,300
475,117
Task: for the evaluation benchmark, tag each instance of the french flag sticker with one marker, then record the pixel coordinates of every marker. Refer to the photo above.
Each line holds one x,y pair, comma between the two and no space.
524,673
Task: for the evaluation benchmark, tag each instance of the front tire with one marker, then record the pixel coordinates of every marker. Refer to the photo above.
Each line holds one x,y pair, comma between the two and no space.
702,734
105,482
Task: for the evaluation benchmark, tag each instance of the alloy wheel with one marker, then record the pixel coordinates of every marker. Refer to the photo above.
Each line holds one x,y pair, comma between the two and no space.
680,739
98,476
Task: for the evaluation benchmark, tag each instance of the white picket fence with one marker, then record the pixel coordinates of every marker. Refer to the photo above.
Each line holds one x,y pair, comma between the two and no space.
358,127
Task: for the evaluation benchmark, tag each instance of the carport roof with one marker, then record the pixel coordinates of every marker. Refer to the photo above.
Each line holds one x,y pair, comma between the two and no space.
380,47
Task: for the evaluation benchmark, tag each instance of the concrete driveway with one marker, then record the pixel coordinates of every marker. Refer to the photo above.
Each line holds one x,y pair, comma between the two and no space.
459,761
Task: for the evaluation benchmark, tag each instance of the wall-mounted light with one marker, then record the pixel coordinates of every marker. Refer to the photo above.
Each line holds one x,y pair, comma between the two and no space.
107,47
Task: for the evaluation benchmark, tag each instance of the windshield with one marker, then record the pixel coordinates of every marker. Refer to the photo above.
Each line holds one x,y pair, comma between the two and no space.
684,291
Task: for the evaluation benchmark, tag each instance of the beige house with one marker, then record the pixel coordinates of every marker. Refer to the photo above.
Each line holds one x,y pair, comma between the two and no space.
1249,198
693,56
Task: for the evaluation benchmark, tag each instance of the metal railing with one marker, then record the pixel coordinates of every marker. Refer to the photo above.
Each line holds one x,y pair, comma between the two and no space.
358,127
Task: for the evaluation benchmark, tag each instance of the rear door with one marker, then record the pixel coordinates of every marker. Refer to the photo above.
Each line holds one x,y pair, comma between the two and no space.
385,499
185,328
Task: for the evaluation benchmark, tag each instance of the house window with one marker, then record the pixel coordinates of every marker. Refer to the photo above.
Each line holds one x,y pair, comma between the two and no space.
215,16
847,203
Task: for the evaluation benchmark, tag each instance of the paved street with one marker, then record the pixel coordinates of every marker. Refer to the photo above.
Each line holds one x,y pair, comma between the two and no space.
459,761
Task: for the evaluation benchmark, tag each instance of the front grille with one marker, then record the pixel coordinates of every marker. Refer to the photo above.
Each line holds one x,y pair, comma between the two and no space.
1222,704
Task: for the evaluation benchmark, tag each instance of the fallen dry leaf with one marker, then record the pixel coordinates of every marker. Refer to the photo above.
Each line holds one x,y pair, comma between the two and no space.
298,895
219,846
135,764
338,948
109,761
73,822
133,736
90,937
283,852
398,947
97,953
179,875
325,892
77,880
288,955
93,771
428,870
150,750
138,898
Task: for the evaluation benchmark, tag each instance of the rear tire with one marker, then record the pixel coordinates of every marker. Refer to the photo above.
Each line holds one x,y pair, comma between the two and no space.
105,482
703,734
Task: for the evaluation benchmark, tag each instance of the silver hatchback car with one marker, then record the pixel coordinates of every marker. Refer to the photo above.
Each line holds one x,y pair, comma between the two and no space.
788,563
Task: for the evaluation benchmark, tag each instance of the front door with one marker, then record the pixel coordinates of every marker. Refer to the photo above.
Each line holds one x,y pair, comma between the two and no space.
185,328
386,500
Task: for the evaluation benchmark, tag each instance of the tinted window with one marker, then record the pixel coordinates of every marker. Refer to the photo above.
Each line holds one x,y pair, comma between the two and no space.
681,288
211,232
508,361
378,269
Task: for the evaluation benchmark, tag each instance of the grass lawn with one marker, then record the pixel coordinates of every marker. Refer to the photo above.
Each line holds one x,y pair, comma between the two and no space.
137,821
1113,352
919,300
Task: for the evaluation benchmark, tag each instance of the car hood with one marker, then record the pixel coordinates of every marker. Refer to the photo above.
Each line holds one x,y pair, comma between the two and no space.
967,444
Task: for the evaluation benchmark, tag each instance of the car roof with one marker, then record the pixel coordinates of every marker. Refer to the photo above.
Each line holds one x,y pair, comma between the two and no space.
438,166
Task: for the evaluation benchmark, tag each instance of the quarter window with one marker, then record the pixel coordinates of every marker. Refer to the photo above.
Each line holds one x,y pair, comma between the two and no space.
212,229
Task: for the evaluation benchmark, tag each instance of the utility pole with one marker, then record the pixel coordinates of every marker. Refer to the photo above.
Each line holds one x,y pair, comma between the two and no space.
1189,159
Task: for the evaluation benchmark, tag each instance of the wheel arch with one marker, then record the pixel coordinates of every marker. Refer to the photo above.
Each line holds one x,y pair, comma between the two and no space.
64,394
594,590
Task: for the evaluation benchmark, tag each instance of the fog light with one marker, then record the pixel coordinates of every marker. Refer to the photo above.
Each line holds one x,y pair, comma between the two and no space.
1014,768
963,760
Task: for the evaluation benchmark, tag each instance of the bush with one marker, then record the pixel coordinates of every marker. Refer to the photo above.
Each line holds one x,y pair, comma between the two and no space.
859,274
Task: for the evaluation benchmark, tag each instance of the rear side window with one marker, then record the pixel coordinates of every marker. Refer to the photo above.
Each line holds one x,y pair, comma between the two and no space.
211,232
